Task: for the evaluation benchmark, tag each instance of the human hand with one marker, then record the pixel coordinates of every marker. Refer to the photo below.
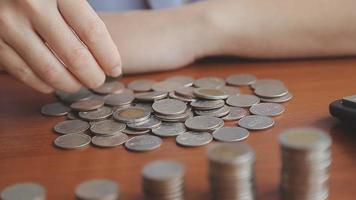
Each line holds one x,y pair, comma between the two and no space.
56,44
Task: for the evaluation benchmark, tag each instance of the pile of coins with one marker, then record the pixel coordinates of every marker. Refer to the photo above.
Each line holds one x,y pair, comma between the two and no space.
306,158
163,180
192,111
231,172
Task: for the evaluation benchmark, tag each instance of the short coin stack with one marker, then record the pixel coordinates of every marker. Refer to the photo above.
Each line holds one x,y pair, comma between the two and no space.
98,189
163,180
192,111
306,158
231,172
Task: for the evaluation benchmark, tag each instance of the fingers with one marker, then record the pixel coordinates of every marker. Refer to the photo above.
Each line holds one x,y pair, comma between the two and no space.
15,66
93,32
39,57
61,39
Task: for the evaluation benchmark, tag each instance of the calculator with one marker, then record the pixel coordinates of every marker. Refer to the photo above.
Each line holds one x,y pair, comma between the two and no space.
344,109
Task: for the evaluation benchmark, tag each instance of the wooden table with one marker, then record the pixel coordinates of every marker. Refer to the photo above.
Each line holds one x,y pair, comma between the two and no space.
27,153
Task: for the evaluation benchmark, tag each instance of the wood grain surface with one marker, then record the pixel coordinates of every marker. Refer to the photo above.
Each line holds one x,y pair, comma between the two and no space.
26,137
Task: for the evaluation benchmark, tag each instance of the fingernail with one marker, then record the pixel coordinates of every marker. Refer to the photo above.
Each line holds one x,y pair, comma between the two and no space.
116,71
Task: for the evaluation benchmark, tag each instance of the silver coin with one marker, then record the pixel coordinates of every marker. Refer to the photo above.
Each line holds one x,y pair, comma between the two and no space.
219,112
163,171
173,95
207,104
194,139
86,105
210,93
169,129
187,92
144,105
142,85
150,123
110,87
166,86
281,99
129,131
267,109
235,114
175,118
203,123
231,154
271,91
97,189
262,82
169,107
143,143
230,134
55,109
110,141
230,90
256,122
209,82
131,115
185,81
151,96
71,126
107,127
95,115
24,191
82,94
120,99
72,115
72,141
241,79
243,100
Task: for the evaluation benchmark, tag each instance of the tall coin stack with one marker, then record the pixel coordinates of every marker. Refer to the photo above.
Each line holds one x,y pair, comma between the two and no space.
163,180
231,172
306,159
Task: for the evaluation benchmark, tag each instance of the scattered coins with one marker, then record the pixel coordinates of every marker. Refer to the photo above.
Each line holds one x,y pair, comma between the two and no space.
167,129
24,191
71,126
204,123
194,139
230,134
97,189
110,141
55,109
267,109
143,143
256,122
107,127
72,141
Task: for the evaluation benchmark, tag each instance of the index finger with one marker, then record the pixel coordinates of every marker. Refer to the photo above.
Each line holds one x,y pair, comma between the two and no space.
92,31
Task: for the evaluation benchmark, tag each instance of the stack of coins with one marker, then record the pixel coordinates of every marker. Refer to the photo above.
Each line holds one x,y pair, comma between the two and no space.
97,189
306,158
231,172
163,180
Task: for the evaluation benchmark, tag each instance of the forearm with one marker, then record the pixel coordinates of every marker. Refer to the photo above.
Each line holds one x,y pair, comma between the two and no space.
279,28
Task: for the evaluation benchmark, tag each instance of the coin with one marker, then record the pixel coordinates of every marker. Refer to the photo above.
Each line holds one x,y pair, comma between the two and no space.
209,82
235,114
256,122
241,79
71,126
110,87
82,94
55,109
163,170
143,143
107,127
166,86
219,112
243,100
230,90
230,134
24,191
144,105
110,141
72,115
72,141
175,118
210,93
131,115
169,129
151,96
95,115
194,139
271,91
150,123
142,85
173,95
203,123
169,107
262,82
129,131
86,105
187,92
267,109
281,99
185,81
124,98
96,189
207,104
